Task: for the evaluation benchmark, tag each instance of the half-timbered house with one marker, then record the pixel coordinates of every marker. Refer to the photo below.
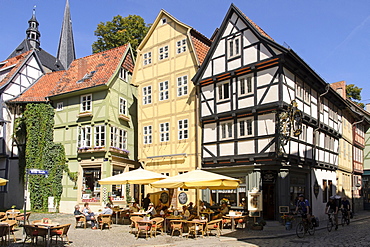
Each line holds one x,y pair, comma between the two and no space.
267,118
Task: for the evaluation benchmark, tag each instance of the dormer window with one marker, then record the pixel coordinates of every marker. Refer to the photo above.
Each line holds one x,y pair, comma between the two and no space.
124,74
164,21
233,47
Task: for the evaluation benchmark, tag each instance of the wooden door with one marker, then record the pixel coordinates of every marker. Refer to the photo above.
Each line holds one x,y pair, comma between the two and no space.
268,193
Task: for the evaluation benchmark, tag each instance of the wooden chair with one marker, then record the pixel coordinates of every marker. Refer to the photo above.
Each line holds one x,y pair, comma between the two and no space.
157,225
33,232
20,218
214,225
105,219
194,227
11,214
11,224
133,220
2,216
4,233
143,227
176,225
60,232
80,220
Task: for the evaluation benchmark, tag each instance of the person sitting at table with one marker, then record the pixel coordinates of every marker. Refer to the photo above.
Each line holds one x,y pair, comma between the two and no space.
160,205
151,210
224,210
86,210
185,212
107,209
134,208
202,206
90,218
190,206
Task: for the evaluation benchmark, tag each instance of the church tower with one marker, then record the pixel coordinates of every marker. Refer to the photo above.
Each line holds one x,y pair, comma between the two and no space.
33,34
66,49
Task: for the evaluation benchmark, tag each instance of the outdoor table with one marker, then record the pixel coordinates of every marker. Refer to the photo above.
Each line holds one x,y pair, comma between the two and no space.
10,224
232,217
48,226
169,218
138,214
148,225
197,223
208,212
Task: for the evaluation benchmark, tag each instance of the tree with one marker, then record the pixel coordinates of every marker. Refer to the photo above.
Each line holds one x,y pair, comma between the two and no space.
354,93
121,30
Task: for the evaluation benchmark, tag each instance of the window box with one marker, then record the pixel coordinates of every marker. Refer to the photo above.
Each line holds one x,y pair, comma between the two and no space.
85,114
119,150
124,117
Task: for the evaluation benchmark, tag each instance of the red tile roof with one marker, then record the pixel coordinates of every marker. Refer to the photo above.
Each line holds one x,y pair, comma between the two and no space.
40,89
90,71
201,44
17,62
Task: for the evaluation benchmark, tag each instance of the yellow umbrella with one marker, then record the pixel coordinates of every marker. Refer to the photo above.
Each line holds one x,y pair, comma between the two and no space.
138,176
198,179
3,181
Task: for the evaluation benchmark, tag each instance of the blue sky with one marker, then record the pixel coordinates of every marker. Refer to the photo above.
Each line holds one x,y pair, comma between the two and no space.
332,36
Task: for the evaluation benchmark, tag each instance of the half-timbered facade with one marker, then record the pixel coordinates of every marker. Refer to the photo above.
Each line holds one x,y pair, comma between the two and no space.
168,128
267,118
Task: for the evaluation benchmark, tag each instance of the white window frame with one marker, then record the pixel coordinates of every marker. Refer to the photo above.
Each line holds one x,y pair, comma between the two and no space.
164,132
222,87
182,85
181,46
245,85
245,127
118,138
147,58
99,136
226,130
122,106
306,94
147,134
163,90
299,88
86,103
60,106
147,95
183,129
84,136
163,52
234,47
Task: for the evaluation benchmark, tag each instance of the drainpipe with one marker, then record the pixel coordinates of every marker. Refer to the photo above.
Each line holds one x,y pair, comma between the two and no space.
353,164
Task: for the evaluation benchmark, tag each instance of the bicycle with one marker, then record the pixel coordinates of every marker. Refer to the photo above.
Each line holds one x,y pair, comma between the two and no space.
345,217
304,226
330,224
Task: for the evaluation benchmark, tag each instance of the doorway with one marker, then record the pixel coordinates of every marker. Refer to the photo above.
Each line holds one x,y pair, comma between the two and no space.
268,191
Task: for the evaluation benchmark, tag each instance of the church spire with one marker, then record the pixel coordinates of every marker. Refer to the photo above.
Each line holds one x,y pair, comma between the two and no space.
66,49
33,34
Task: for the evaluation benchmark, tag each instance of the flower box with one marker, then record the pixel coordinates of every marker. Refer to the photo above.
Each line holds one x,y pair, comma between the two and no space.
124,117
85,114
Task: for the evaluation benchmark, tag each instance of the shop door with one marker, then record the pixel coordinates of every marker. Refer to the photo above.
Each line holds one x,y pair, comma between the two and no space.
268,191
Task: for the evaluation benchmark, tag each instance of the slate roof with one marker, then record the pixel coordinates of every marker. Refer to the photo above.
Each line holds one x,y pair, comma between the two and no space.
47,60
86,72
13,64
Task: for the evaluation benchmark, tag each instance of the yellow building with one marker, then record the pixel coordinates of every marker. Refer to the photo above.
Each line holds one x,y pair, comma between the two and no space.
168,128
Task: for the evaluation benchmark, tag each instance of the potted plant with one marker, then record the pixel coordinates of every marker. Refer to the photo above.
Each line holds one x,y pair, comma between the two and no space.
288,221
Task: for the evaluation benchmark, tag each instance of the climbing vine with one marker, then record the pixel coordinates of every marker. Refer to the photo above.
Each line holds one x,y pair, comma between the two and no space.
36,128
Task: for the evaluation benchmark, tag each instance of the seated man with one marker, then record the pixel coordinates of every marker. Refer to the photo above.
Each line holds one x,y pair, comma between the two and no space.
134,208
107,209
88,217
151,210
224,210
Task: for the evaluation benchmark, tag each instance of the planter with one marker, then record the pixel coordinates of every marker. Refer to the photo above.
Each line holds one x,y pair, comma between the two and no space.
288,225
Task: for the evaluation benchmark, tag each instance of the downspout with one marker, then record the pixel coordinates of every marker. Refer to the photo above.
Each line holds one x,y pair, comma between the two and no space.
315,133
353,164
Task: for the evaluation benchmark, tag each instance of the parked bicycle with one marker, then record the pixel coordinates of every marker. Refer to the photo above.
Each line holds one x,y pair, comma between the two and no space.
305,226
345,217
331,221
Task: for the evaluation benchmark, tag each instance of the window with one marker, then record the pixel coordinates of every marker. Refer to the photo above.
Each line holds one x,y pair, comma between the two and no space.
299,88
124,74
147,134
60,106
245,127
226,130
181,46
163,90
147,58
164,21
182,85
118,138
223,91
100,136
245,85
90,183
163,52
122,106
86,103
84,136
234,47
183,129
147,95
307,98
164,132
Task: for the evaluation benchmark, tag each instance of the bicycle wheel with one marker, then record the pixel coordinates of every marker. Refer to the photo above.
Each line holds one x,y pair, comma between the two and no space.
329,226
311,229
300,230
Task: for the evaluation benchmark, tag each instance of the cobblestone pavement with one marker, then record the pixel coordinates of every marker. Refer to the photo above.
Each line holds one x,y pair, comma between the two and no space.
274,234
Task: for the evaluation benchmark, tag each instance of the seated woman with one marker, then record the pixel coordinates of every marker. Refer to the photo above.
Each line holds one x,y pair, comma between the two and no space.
185,212
88,217
224,210
151,210
160,205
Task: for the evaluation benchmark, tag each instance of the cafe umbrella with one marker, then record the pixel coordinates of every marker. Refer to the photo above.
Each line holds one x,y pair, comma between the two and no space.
3,181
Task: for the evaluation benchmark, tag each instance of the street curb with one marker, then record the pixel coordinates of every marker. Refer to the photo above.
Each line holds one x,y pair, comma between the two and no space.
292,234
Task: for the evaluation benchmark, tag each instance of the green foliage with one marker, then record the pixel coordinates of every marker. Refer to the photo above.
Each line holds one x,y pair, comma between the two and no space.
121,30
36,128
128,196
354,93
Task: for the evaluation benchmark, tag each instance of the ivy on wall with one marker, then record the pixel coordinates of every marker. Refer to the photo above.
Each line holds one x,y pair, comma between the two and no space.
35,127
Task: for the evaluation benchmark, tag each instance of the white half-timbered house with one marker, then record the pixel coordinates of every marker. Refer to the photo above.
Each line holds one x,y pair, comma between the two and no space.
267,118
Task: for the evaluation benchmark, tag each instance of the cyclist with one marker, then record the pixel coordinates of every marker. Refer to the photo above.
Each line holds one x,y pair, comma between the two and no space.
304,207
332,207
346,206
